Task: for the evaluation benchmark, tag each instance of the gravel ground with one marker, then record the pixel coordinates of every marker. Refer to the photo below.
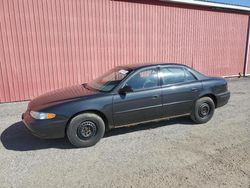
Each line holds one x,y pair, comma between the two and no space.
171,153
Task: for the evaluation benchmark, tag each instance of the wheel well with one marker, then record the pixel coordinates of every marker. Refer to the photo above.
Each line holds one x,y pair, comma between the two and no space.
90,111
213,97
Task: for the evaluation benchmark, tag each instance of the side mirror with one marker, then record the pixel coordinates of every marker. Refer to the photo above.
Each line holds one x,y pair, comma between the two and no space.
125,89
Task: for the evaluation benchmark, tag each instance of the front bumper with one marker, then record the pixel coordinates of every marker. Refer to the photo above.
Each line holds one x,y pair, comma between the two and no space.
44,128
222,99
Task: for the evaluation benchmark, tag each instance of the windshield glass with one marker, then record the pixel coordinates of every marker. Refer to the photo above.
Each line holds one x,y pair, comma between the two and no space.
109,80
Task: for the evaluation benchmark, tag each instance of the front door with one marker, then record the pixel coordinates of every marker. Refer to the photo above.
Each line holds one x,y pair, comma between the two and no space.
143,103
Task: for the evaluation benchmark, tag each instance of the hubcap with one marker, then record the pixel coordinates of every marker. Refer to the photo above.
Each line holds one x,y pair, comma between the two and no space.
204,110
86,130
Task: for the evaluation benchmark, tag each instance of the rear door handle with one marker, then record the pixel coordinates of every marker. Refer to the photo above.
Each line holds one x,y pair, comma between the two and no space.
155,96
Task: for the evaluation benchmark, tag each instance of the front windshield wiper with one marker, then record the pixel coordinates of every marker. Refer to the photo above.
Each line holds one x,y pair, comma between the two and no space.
85,85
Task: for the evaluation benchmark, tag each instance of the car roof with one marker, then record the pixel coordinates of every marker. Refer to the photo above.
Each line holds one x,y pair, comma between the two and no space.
144,65
135,67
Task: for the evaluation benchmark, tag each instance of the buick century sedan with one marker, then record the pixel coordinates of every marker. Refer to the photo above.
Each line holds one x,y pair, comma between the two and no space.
125,95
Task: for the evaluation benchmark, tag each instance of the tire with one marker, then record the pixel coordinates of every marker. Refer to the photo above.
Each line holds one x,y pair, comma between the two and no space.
85,130
203,110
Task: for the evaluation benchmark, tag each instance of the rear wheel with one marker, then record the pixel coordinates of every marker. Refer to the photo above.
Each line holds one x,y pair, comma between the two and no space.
203,110
85,130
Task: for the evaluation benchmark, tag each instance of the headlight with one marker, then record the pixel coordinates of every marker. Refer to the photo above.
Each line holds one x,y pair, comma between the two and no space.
42,115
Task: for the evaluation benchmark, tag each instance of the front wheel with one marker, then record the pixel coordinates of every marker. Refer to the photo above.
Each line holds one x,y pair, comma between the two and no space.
85,130
203,110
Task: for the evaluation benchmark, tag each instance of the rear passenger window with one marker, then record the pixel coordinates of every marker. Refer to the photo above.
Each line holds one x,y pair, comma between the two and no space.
174,75
189,76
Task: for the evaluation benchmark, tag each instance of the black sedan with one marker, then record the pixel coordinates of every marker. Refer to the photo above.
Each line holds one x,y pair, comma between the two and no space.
124,96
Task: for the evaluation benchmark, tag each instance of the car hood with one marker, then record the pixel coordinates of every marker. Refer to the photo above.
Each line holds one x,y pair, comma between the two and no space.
60,95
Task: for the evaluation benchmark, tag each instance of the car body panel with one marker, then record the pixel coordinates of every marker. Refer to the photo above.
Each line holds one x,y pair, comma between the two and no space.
60,95
179,98
136,106
45,128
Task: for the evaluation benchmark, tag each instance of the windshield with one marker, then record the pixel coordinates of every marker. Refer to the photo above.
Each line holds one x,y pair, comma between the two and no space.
109,80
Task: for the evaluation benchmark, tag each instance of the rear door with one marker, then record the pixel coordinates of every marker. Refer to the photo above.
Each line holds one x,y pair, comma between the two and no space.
180,89
143,103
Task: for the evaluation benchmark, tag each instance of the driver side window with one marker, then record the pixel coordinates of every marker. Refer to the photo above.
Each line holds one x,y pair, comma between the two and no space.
144,80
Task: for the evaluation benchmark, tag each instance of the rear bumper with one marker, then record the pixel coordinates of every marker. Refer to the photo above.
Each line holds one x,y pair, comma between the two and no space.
223,98
44,128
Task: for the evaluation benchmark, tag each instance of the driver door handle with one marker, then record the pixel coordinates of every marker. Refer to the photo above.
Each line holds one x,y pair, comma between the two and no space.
194,89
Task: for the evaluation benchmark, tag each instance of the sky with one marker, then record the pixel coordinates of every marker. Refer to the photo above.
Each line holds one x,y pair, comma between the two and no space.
233,2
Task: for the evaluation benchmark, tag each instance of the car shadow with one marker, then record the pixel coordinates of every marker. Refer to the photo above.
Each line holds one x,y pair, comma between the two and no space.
18,138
